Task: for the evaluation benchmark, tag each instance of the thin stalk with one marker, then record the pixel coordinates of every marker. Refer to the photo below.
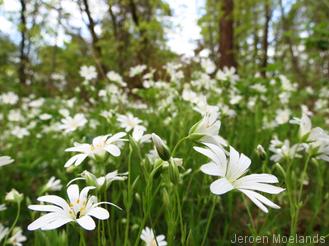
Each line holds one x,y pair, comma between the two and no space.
180,216
178,144
82,238
129,195
253,227
298,202
209,222
14,223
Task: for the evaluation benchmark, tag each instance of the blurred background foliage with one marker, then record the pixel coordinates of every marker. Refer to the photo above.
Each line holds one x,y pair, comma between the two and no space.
265,36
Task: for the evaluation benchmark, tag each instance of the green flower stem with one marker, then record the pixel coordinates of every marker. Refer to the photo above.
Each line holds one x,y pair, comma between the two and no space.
299,196
14,223
179,208
129,195
178,144
82,238
253,226
209,221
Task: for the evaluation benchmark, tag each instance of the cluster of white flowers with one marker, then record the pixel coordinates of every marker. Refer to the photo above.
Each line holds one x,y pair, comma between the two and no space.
227,165
88,72
70,124
137,70
100,145
9,98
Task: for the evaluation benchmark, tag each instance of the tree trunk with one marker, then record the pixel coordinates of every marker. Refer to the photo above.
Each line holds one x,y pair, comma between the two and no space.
226,35
22,56
289,42
265,38
97,51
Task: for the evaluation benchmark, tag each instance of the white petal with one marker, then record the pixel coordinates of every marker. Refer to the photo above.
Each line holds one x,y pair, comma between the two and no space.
271,189
80,159
238,165
84,192
260,178
208,153
99,140
45,208
259,200
212,169
73,192
78,148
87,222
112,149
54,200
221,186
43,220
99,213
76,159
58,222
115,137
218,150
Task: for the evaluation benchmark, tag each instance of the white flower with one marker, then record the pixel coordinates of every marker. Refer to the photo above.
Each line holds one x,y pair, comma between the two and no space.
227,74
99,146
208,65
129,122
286,84
283,150
138,135
9,98
15,115
20,132
282,116
206,130
70,124
17,237
189,95
305,125
113,76
14,196
79,209
231,176
45,116
3,232
37,103
106,180
316,138
136,70
53,184
88,72
5,160
203,107
2,208
259,88
320,142
150,240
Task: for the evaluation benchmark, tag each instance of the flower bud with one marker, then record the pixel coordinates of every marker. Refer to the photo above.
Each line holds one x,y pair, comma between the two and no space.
161,148
91,179
173,173
165,197
260,151
14,196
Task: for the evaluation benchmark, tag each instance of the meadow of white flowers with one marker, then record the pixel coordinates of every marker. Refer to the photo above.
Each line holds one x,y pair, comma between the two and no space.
184,161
